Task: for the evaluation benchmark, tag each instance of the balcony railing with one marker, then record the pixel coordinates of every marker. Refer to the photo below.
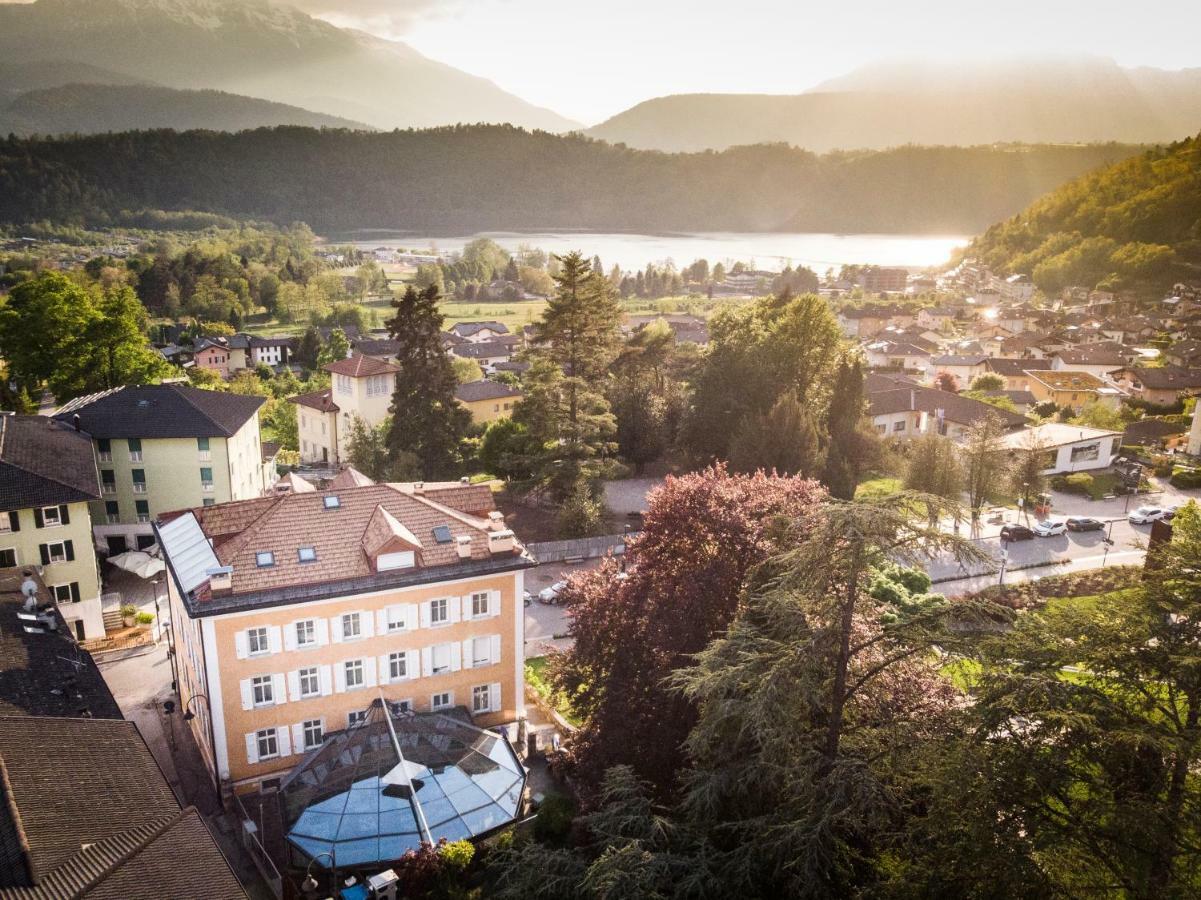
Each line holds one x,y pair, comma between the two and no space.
139,487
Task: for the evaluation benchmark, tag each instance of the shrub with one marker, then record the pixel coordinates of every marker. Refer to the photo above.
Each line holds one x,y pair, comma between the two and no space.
1186,479
127,610
1031,594
581,513
1079,483
144,618
555,815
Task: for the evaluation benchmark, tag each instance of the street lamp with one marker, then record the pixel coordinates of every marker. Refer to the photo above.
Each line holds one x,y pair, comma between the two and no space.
188,715
1108,542
309,885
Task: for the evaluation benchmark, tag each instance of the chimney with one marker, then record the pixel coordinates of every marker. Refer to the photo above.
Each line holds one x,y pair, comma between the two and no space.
418,487
465,480
496,520
221,580
463,545
501,541
75,420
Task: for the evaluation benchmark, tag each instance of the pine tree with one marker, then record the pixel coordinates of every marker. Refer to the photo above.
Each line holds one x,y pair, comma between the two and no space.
309,348
784,440
848,451
427,421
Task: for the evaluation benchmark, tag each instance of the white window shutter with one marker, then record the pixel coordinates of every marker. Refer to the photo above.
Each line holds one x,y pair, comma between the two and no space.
469,654
327,680
381,621
335,628
494,655
453,609
494,603
465,601
494,696
368,624
294,685
252,748
298,737
284,739
241,647
279,688
456,656
425,614
385,669
412,611
340,678
369,675
322,632
427,661
412,664
247,694
274,640
290,636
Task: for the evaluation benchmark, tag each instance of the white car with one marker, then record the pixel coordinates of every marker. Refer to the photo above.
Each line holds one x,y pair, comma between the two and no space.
551,594
1146,514
1047,528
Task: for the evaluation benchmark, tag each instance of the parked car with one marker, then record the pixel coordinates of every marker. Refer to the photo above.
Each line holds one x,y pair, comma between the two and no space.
527,598
1084,523
551,594
1016,533
1047,528
1146,514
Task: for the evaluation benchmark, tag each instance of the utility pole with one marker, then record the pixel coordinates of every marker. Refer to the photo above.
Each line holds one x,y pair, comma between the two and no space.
1108,542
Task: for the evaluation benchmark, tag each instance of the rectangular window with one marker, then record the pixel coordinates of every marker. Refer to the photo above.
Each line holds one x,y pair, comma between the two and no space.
264,558
104,447
112,512
268,743
135,449
57,552
396,618
354,674
139,480
1086,452
481,652
400,707
108,481
209,501
440,659
898,426
143,510
257,641
330,501
8,558
481,699
310,682
203,452
307,554
264,690
7,522
479,605
397,667
352,627
306,633
62,593
206,479
356,718
443,700
51,517
439,611
313,734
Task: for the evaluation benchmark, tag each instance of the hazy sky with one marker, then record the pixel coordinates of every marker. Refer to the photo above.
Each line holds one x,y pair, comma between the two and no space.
591,58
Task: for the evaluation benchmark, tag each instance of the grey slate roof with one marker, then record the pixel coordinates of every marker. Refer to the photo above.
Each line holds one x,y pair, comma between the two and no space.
963,410
466,329
1014,367
161,411
484,390
482,349
44,463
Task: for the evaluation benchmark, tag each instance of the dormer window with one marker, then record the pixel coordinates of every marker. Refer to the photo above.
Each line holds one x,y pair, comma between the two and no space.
405,559
331,501
307,554
264,558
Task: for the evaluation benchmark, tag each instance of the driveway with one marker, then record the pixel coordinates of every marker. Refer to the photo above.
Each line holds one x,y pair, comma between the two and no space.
544,621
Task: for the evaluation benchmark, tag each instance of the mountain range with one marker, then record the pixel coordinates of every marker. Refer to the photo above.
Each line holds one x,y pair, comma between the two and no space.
247,47
1065,100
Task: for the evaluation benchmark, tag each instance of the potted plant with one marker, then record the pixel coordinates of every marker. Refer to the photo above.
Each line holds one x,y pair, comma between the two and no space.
129,614
144,618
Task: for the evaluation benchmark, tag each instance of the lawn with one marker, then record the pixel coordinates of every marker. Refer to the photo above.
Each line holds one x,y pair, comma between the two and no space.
535,669
876,488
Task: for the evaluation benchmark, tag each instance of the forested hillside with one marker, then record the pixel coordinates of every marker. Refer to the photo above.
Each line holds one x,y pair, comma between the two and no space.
498,177
1135,224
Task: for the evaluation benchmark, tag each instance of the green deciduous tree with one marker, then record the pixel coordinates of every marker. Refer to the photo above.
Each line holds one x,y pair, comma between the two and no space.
784,440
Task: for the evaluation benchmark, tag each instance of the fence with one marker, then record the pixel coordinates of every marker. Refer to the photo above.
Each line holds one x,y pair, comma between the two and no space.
579,548
249,837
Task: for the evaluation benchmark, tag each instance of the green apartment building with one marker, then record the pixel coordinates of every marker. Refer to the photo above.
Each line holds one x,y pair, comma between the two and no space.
165,447
47,481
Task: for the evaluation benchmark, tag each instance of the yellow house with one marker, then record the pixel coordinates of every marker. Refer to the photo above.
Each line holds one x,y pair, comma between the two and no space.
294,613
1072,389
487,400
362,389
317,426
48,476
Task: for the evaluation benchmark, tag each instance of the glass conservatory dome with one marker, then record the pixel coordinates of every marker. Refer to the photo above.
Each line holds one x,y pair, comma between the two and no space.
395,780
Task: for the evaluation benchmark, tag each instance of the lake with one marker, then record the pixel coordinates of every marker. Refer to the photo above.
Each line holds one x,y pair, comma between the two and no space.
766,251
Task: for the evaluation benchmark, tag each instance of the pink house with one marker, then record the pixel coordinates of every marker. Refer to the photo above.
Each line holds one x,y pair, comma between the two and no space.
212,355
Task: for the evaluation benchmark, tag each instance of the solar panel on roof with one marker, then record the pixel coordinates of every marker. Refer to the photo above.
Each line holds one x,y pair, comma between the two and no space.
442,534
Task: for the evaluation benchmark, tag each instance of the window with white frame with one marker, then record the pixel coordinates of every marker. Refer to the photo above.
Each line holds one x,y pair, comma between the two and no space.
439,611
104,447
443,700
352,626
257,641
343,384
310,682
306,633
397,619
62,593
203,451
314,733
268,743
480,606
57,551
353,669
481,698
263,687
440,658
135,449
398,667
51,517
481,652
356,718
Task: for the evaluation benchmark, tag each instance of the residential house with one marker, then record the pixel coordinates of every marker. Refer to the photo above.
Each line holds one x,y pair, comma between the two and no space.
1184,353
293,613
1015,371
317,426
213,354
270,351
1161,433
383,349
163,447
1023,401
936,317
1066,448
867,321
907,410
1096,359
1162,385
1072,389
487,400
896,355
487,353
687,329
362,389
1017,287
239,350
964,368
47,479
475,332
883,280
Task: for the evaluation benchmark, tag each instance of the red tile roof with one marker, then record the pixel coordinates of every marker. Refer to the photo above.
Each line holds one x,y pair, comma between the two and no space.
321,401
359,366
